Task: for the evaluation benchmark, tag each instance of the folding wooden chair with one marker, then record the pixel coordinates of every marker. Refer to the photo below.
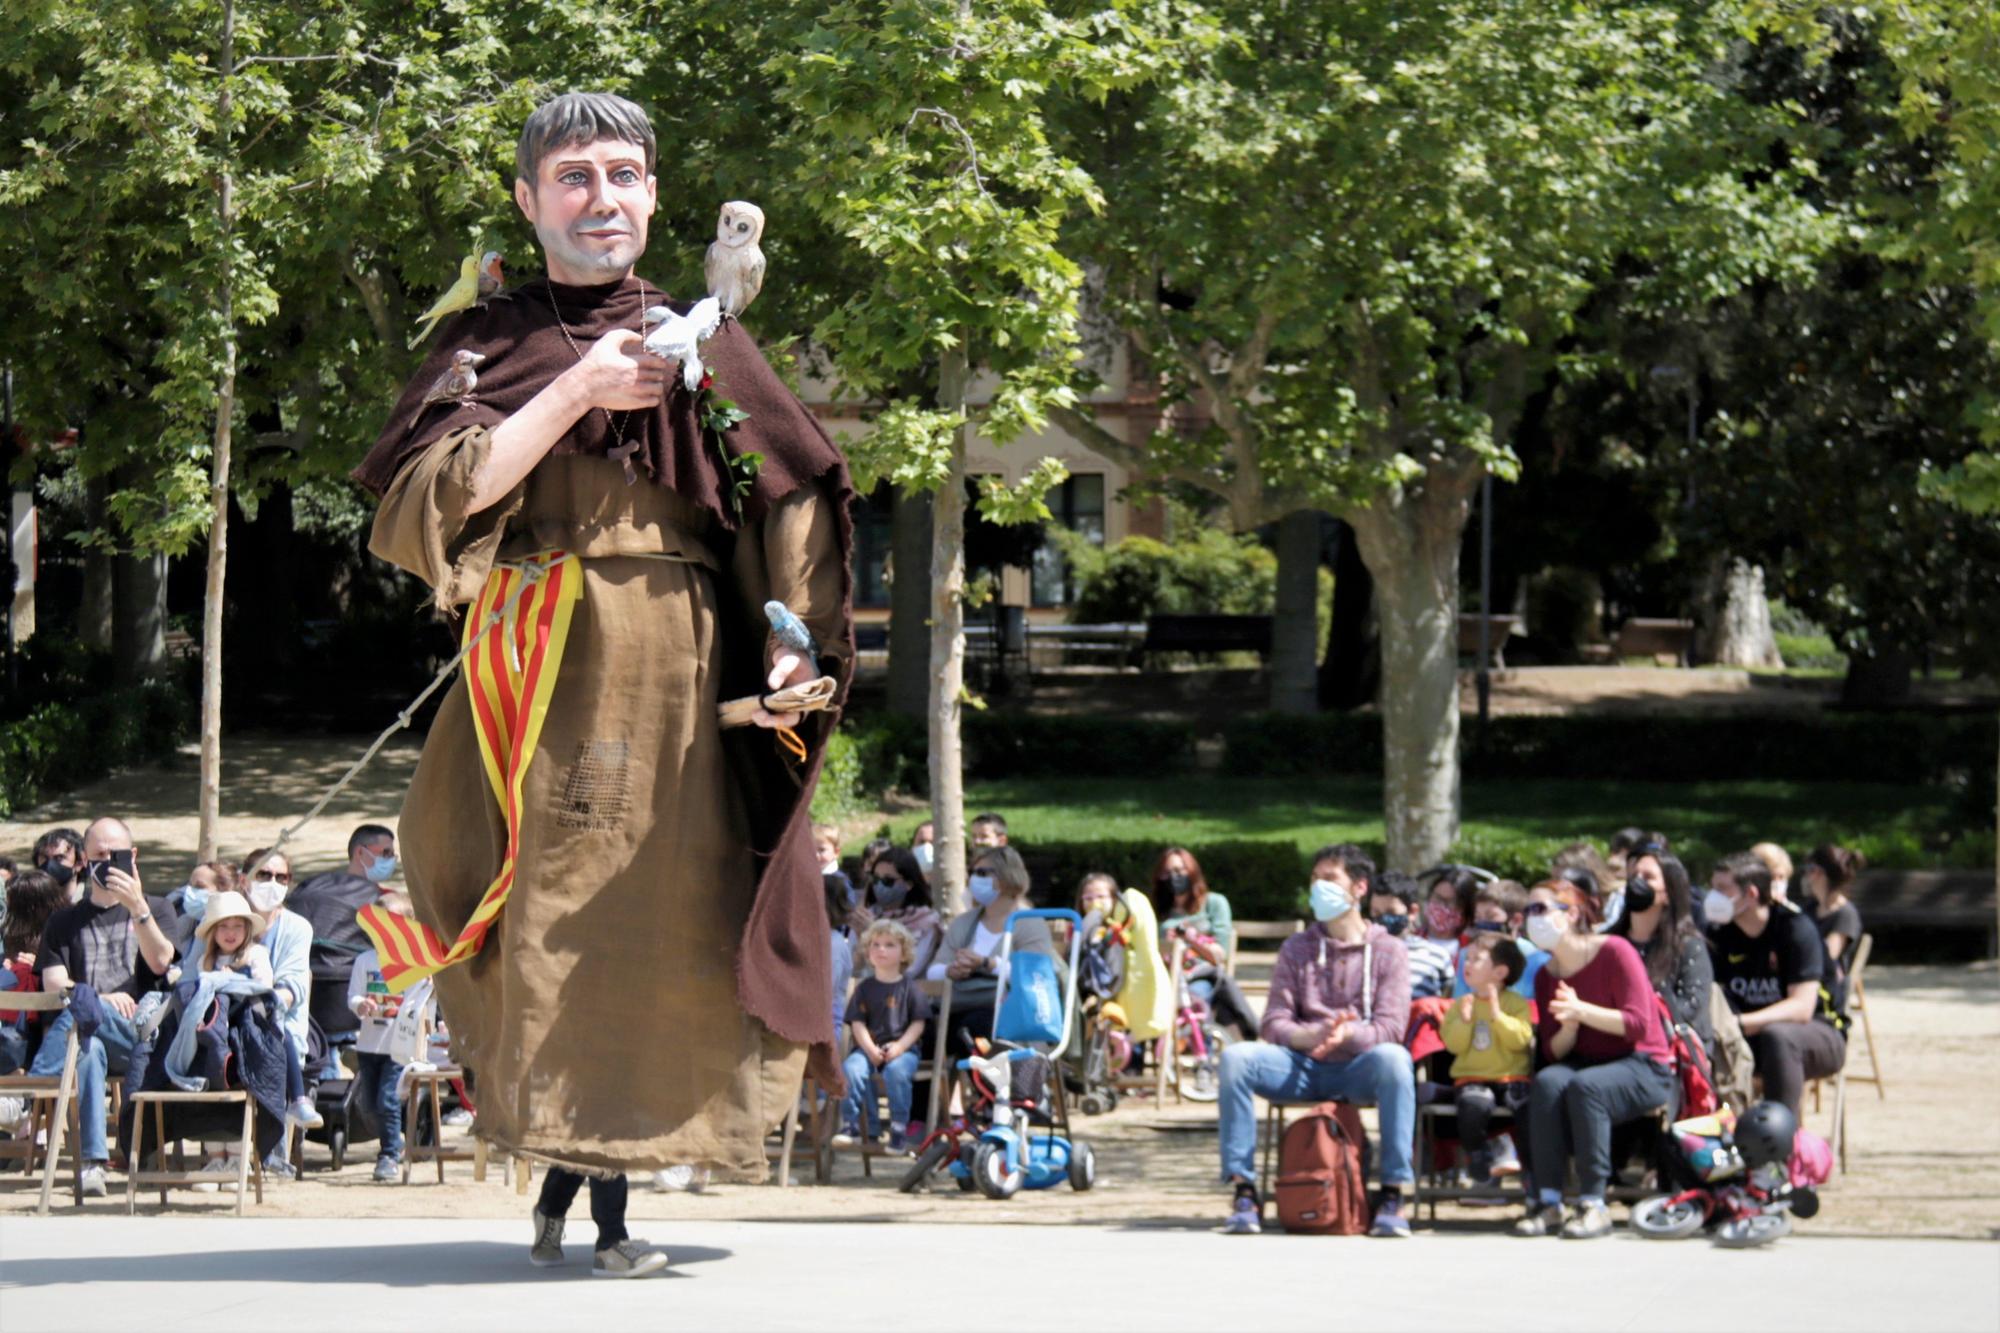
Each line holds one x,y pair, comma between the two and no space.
943,1084
1264,931
50,1101
247,1156
1857,1003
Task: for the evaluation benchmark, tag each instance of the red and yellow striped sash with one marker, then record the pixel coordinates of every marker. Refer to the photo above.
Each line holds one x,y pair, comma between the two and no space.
510,674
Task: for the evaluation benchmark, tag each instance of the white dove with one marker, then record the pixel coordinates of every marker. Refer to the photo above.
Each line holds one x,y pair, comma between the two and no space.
678,337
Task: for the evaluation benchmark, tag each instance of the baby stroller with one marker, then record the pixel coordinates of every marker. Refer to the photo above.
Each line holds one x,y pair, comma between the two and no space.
1739,1178
1030,1009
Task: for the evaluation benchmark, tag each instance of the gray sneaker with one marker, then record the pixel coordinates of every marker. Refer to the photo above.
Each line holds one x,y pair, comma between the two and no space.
389,1170
93,1180
1591,1221
628,1258
547,1251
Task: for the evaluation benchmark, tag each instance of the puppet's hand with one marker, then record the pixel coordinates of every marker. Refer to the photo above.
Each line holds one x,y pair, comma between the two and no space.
789,669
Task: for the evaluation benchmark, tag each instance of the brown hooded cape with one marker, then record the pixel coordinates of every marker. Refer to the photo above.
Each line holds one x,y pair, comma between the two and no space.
672,572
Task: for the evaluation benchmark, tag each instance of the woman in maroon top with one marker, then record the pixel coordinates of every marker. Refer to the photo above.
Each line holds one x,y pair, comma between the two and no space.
1604,1059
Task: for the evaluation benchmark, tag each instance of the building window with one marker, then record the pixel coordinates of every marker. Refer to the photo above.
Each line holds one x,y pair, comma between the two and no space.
873,538
1078,504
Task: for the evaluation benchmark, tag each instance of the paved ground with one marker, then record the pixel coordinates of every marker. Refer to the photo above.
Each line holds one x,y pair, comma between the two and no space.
210,1273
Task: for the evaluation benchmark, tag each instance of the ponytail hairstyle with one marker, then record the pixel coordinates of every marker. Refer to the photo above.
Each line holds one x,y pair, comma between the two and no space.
1840,865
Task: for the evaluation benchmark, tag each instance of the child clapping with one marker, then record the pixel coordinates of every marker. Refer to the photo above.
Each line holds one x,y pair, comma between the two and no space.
1488,1032
886,1015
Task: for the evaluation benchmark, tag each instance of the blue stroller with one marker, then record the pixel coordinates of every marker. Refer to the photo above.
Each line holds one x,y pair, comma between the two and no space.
1032,1009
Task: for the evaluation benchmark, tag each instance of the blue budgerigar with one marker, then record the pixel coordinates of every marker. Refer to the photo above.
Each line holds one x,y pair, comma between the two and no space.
791,632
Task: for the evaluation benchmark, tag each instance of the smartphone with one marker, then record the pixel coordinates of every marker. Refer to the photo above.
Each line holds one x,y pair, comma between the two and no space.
101,870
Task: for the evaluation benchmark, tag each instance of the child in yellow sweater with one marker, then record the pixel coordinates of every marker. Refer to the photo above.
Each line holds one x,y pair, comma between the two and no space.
1490,1035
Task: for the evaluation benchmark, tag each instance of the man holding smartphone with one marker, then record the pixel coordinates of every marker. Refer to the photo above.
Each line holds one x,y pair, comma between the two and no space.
119,942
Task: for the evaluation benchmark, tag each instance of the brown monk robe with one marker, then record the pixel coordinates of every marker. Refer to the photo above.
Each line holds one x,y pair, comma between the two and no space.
650,989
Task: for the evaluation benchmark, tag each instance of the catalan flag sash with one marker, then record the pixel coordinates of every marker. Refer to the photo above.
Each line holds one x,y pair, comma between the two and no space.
510,674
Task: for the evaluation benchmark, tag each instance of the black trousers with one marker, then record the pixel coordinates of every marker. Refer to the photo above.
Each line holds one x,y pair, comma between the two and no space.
1475,1103
607,1202
1787,1054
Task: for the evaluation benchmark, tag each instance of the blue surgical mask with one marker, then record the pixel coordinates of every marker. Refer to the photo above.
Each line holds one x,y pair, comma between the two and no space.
1489,928
1330,902
382,867
983,889
193,901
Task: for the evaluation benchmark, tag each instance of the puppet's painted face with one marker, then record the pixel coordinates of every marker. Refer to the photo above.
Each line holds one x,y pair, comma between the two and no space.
589,204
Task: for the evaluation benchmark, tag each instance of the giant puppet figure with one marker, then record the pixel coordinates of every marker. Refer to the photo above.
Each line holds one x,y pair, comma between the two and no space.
616,897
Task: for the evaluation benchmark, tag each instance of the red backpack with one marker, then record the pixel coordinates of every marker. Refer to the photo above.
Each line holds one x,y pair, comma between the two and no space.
1321,1190
1692,1067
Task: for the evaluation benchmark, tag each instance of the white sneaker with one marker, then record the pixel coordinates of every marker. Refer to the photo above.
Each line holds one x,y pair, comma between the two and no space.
681,1180
628,1258
458,1117
224,1171
303,1112
12,1111
93,1180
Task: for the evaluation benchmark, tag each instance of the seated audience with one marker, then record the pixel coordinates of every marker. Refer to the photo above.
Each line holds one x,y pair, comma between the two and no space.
1492,1041
1604,1059
33,896
226,941
1199,917
119,942
1598,878
923,846
1101,959
970,953
1830,872
898,891
886,1017
1772,966
1659,923
1619,850
1332,1030
1498,909
834,894
987,830
1779,862
1448,905
1392,905
288,936
190,900
59,853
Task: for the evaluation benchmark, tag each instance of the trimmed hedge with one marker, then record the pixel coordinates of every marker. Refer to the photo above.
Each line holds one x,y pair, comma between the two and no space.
893,749
57,746
1910,748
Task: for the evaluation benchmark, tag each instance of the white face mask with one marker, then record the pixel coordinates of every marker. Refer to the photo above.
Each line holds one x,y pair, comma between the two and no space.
266,894
1546,930
1780,888
926,854
1718,908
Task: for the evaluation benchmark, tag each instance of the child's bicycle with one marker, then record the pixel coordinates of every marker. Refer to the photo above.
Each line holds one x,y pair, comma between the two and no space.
955,1140
1196,1051
1008,1077
1738,1180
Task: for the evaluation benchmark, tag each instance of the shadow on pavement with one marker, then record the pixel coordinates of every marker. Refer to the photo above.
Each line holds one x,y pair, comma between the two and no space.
447,1264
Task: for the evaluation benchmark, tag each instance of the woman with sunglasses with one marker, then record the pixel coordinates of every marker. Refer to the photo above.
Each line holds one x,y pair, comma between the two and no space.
1604,1057
267,881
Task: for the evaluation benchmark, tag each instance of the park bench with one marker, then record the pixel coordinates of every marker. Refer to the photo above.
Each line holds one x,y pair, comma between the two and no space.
1933,899
1272,933
1640,637
1468,637
1207,634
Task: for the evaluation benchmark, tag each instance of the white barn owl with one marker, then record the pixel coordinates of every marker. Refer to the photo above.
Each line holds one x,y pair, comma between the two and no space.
735,266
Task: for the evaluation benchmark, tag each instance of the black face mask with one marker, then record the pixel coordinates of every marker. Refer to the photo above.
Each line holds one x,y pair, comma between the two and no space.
1394,922
1639,895
1176,883
59,872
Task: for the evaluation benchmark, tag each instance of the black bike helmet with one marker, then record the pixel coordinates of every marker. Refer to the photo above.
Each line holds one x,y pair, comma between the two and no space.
1764,1134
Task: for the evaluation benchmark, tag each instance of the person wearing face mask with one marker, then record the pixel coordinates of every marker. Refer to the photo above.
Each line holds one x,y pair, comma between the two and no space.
923,846
59,854
898,891
1200,918
1772,965
1604,1058
119,942
1779,862
970,954
1499,907
1332,1030
288,938
1434,942
330,903
190,900
1659,922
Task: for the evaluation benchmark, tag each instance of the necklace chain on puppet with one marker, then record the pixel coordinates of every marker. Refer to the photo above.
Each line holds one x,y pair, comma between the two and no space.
621,451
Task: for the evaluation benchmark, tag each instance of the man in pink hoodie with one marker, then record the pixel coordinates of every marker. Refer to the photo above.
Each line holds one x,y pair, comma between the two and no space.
1332,1031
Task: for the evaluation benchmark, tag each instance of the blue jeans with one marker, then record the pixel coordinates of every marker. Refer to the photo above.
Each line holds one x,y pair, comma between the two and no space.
1381,1076
379,1078
108,1052
896,1078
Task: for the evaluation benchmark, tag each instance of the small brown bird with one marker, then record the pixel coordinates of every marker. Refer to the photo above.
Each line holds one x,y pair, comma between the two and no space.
457,382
